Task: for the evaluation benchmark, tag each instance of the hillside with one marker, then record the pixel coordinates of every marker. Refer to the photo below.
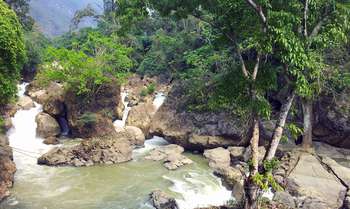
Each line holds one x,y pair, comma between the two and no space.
54,16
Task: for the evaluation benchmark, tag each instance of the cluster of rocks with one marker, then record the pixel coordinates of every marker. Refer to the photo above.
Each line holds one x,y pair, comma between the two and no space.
314,180
105,150
171,155
7,167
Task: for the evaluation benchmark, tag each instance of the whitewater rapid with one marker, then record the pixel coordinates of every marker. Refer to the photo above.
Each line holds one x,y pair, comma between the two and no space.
123,186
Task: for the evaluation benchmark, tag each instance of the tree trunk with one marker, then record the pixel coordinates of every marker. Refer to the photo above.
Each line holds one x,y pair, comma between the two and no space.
251,189
277,134
251,194
307,113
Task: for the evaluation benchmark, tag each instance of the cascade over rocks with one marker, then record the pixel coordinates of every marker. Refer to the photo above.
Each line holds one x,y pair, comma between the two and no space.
86,118
25,103
110,149
196,131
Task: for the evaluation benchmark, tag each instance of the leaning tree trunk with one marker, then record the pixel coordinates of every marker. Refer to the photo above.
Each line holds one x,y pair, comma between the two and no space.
251,189
277,134
307,113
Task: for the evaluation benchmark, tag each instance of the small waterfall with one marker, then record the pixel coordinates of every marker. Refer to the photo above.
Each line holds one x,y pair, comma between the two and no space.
22,136
64,126
121,123
122,186
159,100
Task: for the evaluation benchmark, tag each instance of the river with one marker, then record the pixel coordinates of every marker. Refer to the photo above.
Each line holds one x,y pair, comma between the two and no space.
122,186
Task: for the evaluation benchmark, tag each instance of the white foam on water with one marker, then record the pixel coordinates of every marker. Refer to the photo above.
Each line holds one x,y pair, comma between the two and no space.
268,194
27,147
197,190
159,100
150,144
121,123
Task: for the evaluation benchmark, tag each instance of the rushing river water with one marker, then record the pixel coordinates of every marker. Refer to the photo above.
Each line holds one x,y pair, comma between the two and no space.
122,186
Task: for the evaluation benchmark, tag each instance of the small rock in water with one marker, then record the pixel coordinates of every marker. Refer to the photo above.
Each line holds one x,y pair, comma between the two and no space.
160,200
171,155
25,103
51,140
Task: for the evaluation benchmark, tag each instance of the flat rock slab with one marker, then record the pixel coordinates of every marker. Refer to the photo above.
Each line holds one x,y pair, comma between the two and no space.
311,180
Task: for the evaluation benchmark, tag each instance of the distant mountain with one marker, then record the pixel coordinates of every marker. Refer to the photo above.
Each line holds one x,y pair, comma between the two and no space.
54,16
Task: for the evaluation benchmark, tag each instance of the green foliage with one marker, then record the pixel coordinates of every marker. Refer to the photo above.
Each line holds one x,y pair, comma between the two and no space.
76,70
148,90
2,124
294,130
35,44
84,61
12,53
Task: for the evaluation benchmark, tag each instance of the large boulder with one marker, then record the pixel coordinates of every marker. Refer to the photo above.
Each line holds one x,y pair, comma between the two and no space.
107,150
171,155
313,185
137,137
141,116
7,167
218,157
332,120
197,130
92,125
47,126
95,112
25,103
42,95
160,200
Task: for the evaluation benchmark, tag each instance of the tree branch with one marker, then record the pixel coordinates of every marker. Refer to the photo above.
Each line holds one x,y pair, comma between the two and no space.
258,9
306,11
256,67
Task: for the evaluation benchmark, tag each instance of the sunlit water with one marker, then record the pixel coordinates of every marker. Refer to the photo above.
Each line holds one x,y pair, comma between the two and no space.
122,186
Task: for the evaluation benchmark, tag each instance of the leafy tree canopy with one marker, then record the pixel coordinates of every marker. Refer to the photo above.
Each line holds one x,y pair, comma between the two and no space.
12,53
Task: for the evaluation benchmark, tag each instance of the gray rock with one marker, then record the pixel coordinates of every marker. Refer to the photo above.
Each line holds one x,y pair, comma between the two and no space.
160,200
285,198
141,116
171,155
105,150
47,126
51,140
309,179
237,153
218,157
25,103
136,135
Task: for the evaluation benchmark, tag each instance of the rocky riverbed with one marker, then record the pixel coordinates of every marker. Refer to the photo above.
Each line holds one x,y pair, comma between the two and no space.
119,166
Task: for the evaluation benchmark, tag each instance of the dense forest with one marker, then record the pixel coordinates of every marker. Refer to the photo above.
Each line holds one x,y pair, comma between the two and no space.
248,76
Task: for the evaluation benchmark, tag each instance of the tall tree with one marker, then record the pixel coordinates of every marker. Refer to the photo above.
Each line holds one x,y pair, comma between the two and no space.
274,31
12,53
